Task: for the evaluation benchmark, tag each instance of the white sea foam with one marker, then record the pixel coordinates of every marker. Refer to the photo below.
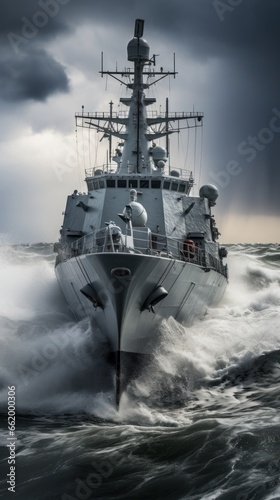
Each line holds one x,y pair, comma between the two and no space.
57,364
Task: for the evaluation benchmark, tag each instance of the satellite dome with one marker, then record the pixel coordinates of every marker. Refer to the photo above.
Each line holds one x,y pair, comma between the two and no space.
159,154
210,192
174,173
137,213
138,48
160,164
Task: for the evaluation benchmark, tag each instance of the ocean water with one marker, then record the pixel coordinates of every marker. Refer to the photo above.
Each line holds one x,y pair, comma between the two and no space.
202,422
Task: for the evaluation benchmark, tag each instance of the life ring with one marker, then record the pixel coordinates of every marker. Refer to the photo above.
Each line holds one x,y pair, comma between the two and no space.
189,249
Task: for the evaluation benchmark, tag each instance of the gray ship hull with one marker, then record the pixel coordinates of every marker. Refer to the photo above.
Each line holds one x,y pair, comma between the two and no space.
123,294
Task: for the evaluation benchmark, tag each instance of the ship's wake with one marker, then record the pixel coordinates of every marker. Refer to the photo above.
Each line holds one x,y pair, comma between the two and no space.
59,366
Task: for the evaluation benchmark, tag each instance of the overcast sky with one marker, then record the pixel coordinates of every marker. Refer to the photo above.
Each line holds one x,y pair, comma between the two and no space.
227,56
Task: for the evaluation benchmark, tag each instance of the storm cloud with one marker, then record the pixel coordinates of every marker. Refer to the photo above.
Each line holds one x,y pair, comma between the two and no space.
228,61
31,75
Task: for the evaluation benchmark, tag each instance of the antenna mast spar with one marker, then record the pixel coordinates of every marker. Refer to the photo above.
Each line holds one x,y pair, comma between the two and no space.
137,129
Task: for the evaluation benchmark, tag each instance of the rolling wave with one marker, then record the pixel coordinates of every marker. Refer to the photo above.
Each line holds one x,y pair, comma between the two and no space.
59,365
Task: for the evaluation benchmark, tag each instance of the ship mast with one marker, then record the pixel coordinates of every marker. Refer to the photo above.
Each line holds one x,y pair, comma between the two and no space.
137,129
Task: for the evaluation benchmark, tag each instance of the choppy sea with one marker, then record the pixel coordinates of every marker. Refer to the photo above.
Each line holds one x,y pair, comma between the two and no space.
202,423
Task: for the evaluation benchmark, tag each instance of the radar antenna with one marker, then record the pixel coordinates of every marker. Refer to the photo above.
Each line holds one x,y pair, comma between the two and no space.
139,28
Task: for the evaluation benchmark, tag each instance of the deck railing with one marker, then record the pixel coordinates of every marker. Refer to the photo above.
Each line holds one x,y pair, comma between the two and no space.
111,168
110,239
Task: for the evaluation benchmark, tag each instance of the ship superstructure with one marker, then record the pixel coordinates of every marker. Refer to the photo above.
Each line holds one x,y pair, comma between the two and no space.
138,247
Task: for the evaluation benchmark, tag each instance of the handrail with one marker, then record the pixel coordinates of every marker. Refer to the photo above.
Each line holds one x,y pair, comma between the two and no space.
111,168
105,115
106,168
145,243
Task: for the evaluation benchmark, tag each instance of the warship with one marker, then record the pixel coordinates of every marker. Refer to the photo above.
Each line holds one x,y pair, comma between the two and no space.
139,247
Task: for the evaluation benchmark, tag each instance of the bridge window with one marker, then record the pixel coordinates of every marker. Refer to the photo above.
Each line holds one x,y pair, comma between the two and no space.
121,183
166,185
144,184
174,186
111,183
182,188
133,183
101,184
155,184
